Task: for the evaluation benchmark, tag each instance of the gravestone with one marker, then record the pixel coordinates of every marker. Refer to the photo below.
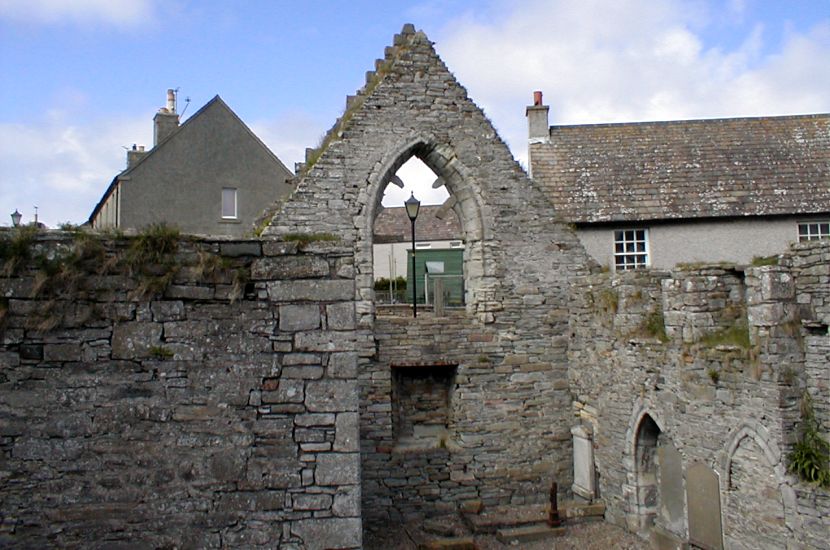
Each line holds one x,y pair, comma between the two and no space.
672,493
583,463
703,493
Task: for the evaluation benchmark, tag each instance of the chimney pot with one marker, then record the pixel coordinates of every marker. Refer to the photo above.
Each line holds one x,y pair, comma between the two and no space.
537,98
171,100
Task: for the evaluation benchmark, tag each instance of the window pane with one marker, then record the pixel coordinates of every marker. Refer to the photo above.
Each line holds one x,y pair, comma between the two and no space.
630,246
228,203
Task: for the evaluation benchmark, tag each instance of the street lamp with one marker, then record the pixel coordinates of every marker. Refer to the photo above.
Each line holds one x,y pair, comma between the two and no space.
16,217
412,205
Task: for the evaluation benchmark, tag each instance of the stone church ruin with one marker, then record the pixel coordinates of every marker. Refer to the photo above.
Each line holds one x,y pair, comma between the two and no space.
163,391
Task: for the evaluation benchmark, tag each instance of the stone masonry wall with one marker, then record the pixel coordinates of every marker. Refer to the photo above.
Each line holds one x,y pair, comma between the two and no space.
508,414
719,359
214,407
505,442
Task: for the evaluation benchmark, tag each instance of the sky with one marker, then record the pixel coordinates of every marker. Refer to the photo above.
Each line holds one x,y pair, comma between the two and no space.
82,79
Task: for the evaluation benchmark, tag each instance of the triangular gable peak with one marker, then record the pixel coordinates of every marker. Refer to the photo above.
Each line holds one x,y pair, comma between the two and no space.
411,105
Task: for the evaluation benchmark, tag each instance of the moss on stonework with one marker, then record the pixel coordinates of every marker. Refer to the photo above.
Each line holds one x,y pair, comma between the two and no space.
306,238
733,335
759,261
654,325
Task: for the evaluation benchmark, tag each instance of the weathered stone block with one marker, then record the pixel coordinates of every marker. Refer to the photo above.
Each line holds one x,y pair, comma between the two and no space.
328,533
62,352
288,391
342,365
347,432
289,267
304,372
279,248
131,340
294,318
337,469
240,248
311,502
340,316
325,341
347,501
331,396
310,291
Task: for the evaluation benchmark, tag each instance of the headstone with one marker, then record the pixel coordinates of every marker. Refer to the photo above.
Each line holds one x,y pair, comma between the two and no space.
672,493
584,483
703,492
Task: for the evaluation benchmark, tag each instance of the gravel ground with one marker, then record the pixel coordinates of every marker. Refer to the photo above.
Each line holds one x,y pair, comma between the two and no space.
585,536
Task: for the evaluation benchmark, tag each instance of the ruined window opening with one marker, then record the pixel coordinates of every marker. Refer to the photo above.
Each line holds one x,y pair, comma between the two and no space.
631,250
438,235
421,405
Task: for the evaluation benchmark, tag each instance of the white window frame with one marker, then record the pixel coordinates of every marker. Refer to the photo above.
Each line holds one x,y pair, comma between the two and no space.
235,203
813,230
631,249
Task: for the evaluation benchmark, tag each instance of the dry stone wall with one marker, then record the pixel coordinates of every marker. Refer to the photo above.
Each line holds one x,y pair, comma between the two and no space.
217,410
718,359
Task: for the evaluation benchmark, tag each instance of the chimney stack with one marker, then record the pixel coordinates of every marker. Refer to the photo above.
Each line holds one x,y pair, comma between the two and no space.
537,120
166,120
135,154
538,130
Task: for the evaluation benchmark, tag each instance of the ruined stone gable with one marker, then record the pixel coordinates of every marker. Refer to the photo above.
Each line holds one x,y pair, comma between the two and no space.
500,363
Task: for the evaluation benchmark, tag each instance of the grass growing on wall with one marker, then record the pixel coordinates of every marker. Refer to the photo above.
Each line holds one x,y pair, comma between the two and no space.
810,458
60,271
654,325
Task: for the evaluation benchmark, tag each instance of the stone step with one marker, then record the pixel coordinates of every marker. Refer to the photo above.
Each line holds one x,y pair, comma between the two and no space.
575,511
450,543
491,520
528,533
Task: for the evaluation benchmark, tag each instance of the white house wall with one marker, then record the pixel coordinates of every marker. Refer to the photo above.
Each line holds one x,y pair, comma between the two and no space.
734,241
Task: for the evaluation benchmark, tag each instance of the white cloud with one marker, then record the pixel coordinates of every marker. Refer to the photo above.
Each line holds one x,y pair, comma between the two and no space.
115,12
629,60
63,169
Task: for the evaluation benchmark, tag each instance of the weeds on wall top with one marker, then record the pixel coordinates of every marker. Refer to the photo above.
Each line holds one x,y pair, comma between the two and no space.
16,248
303,239
810,458
759,261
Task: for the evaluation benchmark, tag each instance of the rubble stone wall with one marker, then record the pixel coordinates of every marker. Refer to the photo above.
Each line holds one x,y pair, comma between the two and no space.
719,358
218,411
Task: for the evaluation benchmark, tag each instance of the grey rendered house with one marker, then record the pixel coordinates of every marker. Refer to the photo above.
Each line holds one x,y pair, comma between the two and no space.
209,176
655,194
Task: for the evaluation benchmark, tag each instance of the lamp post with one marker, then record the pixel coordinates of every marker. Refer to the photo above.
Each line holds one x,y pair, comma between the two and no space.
16,217
412,205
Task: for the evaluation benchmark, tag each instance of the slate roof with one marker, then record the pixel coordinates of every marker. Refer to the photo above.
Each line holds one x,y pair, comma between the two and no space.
686,169
392,225
207,109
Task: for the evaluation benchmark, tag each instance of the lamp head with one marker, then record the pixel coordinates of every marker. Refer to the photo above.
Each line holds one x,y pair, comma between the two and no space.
16,217
412,206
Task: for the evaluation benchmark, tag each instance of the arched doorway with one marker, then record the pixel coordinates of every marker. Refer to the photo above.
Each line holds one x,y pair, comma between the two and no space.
646,464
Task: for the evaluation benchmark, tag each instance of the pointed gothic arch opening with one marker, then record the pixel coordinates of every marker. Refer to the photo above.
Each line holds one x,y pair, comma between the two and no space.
462,203
647,440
